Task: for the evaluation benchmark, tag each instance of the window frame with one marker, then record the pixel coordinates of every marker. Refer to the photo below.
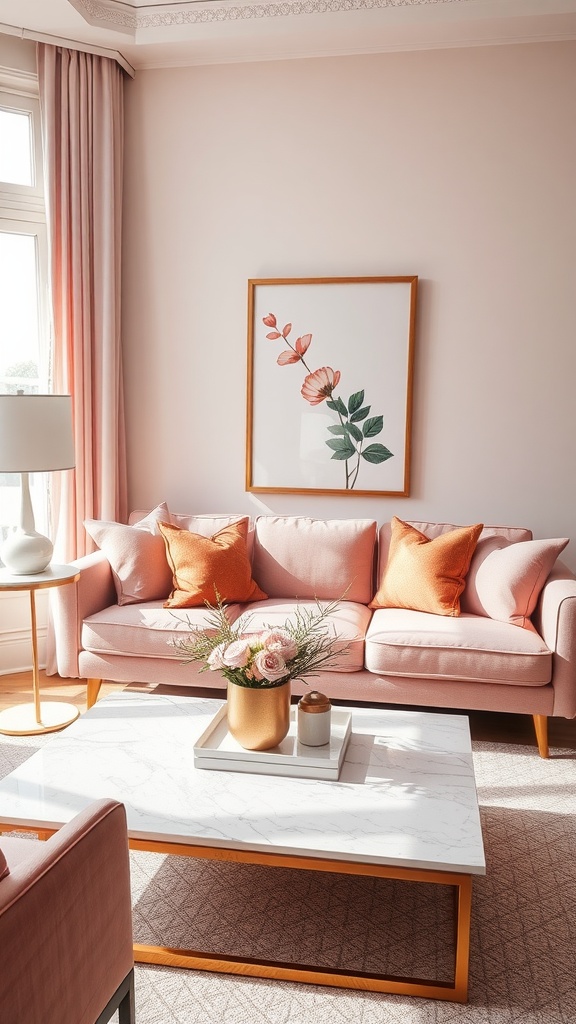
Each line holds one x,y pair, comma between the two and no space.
23,212
23,207
19,91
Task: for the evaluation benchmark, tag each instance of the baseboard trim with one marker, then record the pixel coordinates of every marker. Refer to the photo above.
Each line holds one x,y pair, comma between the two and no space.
16,650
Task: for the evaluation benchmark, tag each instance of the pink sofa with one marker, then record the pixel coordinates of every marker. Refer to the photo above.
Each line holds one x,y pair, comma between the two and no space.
394,656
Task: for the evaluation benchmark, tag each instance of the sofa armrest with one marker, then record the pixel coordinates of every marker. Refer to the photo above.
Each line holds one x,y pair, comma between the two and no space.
66,920
69,606
555,620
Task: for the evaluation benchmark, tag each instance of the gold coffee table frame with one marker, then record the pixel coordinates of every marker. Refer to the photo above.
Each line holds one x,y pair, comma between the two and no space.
456,990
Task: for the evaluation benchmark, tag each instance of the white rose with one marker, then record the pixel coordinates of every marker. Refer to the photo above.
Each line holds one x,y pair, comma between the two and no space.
237,654
215,659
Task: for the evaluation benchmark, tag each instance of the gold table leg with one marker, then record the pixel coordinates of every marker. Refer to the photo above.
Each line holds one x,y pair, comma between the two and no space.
38,717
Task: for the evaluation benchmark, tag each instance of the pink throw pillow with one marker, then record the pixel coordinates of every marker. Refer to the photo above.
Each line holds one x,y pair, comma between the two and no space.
137,556
470,602
509,579
4,869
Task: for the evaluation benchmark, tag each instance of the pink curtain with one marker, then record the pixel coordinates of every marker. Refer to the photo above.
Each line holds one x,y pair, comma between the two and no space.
81,102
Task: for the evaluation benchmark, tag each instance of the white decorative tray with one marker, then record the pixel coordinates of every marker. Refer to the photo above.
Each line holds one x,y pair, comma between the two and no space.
216,748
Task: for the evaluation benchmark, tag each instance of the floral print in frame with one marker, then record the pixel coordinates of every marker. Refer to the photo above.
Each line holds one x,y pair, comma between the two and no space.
330,385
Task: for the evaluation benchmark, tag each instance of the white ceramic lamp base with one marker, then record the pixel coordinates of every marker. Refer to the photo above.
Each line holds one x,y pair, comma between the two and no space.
25,553
22,720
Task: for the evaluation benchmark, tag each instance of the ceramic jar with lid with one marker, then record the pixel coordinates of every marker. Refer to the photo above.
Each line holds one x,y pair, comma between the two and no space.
314,712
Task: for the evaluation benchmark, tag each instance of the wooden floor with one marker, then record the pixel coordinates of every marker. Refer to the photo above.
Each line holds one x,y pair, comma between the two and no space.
16,688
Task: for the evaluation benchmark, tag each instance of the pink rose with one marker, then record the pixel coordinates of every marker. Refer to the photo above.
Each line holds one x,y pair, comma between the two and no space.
281,641
237,654
215,660
269,665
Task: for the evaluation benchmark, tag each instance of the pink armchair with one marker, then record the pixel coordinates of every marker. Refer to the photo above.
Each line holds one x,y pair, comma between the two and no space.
66,949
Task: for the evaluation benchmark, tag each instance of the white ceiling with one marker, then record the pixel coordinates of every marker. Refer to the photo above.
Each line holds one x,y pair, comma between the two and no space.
149,33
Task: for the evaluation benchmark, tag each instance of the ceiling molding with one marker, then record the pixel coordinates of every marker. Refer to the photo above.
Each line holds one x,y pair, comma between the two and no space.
215,11
117,15
129,17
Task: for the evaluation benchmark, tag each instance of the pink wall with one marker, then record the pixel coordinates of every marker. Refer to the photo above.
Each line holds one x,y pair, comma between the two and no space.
456,165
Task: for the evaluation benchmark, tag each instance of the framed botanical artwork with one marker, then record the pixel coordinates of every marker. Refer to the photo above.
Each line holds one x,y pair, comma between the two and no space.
330,364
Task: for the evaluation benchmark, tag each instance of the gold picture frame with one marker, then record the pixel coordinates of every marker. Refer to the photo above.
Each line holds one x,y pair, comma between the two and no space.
329,385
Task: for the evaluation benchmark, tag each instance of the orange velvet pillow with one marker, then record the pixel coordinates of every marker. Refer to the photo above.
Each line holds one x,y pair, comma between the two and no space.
426,575
203,565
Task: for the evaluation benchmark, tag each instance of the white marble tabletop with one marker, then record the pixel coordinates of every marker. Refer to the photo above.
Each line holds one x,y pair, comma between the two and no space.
406,793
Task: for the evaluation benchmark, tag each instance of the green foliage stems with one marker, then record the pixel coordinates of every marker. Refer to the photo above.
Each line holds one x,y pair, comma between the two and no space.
317,648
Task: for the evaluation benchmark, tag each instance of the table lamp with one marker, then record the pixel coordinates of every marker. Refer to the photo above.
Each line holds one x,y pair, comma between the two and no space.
35,437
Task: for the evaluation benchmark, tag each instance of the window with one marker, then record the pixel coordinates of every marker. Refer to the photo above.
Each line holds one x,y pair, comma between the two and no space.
16,166
24,334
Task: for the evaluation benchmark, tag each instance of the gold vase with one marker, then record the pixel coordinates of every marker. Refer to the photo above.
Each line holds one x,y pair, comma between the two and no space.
258,718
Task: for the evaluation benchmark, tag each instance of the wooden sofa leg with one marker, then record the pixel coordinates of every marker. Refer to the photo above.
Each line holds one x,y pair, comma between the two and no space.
541,729
92,691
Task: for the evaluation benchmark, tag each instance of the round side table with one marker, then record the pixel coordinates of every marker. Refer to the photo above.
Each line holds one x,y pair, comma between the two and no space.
37,717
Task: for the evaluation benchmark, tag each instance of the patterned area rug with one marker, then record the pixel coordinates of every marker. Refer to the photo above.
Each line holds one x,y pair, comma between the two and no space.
523,947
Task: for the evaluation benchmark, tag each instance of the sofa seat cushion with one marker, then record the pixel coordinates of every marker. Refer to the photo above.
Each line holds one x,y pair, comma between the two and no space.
349,620
143,630
402,642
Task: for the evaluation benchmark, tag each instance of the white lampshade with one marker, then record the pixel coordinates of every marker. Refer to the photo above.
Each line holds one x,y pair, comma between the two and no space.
35,433
35,437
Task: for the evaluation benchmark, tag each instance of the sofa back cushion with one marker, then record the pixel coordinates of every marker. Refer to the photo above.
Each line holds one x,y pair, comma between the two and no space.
206,525
301,558
510,534
491,537
501,584
4,869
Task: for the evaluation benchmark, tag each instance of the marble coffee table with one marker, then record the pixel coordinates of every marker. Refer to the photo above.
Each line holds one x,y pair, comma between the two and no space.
405,807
